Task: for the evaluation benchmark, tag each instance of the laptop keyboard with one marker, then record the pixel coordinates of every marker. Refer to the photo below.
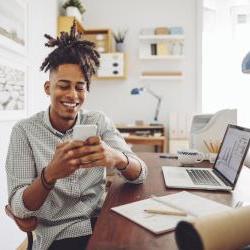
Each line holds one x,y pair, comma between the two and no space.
202,177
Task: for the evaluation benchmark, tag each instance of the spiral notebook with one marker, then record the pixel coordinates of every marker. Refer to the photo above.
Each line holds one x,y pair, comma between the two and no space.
193,205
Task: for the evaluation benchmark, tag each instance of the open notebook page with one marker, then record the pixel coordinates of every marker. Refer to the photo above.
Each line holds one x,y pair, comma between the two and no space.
159,223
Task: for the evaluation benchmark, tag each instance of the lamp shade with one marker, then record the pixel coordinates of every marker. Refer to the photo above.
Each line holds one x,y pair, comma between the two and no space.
136,91
246,64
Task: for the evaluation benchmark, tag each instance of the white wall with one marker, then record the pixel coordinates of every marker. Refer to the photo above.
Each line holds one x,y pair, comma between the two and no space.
113,97
41,19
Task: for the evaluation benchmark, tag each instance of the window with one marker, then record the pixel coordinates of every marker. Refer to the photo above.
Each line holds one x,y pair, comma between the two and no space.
225,42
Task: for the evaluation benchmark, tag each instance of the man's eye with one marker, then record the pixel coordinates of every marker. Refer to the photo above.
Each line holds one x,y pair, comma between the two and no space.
80,87
63,85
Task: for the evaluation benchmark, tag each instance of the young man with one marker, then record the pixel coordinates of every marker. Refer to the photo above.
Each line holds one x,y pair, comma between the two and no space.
51,176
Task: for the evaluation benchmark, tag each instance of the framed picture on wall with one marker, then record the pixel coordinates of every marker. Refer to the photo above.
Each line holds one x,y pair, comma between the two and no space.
13,90
13,25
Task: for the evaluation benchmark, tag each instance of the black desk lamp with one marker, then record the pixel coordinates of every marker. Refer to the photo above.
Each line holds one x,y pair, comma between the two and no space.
137,91
246,69
246,64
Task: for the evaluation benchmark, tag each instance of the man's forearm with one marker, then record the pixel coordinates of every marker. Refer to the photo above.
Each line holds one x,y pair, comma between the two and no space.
35,195
133,170
130,168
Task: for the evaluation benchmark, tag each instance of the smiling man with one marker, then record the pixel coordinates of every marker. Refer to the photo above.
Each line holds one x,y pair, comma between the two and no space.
64,107
51,176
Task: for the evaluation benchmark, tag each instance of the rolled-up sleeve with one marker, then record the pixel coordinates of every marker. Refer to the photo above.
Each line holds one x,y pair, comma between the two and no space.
21,171
114,139
143,174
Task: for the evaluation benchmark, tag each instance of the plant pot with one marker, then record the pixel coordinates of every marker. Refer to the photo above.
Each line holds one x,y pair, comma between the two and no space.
73,11
120,47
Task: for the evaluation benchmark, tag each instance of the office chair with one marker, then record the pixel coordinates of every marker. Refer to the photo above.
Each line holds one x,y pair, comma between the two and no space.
204,232
25,224
210,127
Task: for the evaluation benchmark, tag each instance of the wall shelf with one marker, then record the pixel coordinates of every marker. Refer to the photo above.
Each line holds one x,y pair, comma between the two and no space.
64,23
164,57
161,37
165,47
160,44
161,78
101,37
112,65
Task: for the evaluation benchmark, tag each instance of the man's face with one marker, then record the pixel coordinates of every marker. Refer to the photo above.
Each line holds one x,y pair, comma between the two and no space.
67,90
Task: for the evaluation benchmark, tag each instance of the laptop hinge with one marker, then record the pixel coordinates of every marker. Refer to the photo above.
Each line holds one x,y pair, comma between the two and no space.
222,178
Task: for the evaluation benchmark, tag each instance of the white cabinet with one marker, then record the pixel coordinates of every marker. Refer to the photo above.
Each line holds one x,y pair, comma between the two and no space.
112,65
179,130
179,125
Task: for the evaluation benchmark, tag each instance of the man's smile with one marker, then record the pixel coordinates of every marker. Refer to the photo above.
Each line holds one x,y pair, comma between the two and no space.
70,104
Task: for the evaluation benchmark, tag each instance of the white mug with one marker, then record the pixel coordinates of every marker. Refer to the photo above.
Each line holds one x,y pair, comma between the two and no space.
212,157
190,156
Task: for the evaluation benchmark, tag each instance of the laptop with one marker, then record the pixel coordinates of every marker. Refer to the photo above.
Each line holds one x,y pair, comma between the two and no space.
225,171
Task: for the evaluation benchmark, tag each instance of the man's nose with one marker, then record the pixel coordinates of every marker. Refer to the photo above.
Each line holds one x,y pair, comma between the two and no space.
72,93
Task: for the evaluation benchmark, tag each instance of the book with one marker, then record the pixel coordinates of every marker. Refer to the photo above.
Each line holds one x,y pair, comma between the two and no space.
193,205
153,47
162,49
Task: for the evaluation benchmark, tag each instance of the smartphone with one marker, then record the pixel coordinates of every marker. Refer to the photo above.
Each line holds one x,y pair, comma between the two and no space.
83,132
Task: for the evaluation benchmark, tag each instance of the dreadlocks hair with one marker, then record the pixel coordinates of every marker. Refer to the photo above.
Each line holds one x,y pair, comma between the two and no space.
71,50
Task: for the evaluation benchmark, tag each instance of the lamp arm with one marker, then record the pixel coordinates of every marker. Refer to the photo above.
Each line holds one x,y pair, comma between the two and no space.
152,93
157,109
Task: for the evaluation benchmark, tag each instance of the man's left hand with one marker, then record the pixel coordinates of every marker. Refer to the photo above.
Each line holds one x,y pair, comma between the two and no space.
96,153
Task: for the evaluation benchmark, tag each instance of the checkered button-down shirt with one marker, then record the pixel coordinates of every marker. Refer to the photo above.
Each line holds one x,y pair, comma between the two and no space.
75,199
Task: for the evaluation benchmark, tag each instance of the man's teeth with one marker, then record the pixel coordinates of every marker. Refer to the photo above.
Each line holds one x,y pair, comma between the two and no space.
70,104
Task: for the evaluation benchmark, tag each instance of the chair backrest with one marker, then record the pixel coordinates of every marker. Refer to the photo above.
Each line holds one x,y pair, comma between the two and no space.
25,224
210,128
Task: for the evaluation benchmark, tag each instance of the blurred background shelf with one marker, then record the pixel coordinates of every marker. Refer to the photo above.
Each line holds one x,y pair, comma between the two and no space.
161,37
159,57
64,23
161,78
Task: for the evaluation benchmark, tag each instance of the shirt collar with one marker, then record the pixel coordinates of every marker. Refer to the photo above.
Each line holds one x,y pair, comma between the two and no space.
55,131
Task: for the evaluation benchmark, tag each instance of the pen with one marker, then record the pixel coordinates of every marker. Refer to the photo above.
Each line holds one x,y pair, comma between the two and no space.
164,211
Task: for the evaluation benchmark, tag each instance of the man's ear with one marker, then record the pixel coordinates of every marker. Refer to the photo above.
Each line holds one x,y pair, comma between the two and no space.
47,87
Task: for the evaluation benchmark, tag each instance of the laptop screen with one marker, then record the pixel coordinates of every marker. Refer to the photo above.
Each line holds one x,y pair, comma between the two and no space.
232,152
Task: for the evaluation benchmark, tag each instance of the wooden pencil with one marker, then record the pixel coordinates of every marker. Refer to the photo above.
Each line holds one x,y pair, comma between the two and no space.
164,211
212,147
208,148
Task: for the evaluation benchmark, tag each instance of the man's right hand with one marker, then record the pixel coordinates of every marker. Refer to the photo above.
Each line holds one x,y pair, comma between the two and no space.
65,161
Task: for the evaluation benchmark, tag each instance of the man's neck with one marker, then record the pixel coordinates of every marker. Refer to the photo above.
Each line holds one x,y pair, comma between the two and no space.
61,125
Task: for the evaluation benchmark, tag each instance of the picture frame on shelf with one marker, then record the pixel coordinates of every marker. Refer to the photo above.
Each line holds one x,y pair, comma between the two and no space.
13,90
13,25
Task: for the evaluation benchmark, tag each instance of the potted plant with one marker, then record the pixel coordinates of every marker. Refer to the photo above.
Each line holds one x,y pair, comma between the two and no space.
119,37
74,8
